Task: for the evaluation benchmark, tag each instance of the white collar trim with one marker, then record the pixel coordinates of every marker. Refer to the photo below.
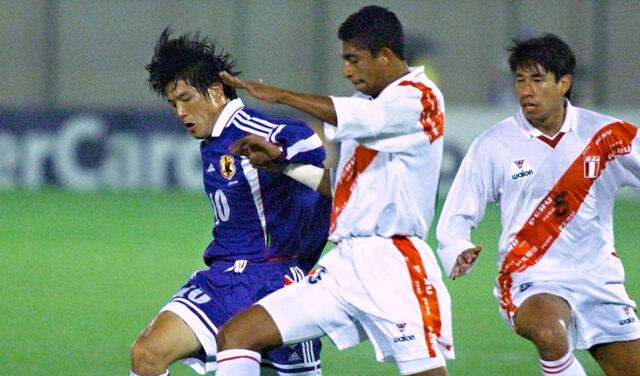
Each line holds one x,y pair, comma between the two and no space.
567,126
226,116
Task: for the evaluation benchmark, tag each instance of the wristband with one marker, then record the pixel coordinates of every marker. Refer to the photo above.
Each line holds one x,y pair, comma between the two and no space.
307,174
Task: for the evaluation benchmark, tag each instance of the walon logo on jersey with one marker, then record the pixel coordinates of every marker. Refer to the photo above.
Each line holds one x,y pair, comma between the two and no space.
404,338
591,164
520,169
227,167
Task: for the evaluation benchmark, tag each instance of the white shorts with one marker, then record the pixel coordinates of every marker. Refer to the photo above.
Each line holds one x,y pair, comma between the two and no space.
601,309
389,290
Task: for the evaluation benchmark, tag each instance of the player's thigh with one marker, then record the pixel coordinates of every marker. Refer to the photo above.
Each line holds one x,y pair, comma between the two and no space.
300,310
252,329
169,337
543,315
618,358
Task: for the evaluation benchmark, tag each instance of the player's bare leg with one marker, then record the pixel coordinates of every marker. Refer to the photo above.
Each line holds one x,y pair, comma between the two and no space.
618,358
242,339
544,319
255,330
165,340
252,329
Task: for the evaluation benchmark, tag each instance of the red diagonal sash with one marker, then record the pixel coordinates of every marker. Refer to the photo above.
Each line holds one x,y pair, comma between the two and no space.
561,204
359,161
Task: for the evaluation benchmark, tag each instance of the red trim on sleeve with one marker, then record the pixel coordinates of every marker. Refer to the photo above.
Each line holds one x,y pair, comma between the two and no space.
431,118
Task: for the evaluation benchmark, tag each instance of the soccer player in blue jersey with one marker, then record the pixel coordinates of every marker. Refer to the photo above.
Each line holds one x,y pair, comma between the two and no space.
269,229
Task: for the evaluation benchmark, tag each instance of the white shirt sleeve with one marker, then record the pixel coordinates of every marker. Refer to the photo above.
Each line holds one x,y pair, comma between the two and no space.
631,163
465,205
360,118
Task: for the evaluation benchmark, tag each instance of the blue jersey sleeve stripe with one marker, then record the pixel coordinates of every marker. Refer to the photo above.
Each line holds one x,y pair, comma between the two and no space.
305,145
255,126
256,122
274,134
250,130
263,122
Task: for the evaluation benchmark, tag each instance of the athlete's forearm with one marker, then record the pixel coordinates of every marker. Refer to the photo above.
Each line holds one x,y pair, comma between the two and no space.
317,106
314,177
325,184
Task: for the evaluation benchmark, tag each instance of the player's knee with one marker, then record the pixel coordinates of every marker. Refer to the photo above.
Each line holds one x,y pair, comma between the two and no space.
147,357
551,341
230,337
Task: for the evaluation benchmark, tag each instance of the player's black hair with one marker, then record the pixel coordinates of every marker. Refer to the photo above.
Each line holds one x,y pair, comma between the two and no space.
373,28
549,51
192,58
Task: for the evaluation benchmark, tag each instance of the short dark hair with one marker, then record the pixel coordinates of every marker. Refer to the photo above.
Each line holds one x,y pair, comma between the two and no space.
192,58
373,28
549,51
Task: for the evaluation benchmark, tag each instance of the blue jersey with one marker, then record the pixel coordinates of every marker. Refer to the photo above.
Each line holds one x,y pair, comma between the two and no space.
262,216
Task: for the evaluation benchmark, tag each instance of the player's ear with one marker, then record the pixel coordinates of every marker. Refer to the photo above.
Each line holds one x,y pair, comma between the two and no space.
216,91
385,55
566,82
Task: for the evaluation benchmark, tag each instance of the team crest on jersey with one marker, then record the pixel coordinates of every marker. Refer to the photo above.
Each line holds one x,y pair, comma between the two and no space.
227,167
520,169
591,164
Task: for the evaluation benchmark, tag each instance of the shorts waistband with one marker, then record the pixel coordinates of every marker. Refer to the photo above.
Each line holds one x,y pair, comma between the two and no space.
269,261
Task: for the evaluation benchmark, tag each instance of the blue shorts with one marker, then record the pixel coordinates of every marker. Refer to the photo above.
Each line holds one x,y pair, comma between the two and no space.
212,296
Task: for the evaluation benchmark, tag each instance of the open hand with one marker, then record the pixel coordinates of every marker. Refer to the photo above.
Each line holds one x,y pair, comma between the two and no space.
256,89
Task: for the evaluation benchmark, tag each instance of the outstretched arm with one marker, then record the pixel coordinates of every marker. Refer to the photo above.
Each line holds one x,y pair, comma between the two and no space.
263,154
317,106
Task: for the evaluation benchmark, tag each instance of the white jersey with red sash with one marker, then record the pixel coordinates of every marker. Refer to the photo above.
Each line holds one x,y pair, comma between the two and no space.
556,196
382,273
390,154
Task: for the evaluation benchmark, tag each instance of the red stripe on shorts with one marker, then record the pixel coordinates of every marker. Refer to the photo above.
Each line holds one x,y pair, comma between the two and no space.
359,161
561,204
425,292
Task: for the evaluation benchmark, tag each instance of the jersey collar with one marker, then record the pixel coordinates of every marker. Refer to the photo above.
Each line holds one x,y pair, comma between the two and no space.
412,74
568,125
226,116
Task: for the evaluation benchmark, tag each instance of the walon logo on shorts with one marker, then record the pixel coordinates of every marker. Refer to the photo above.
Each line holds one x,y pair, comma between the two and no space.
629,319
404,338
520,169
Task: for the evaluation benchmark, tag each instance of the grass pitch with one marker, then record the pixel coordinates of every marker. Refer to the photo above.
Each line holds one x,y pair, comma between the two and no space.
83,273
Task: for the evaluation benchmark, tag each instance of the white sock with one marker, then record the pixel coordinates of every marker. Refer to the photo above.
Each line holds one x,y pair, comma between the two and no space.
236,362
131,373
568,365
